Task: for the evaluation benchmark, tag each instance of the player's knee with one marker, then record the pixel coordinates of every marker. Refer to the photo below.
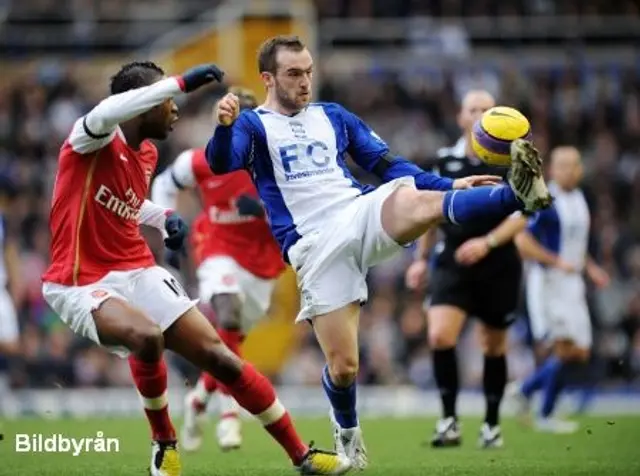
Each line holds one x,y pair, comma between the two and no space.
343,371
493,342
494,348
441,338
147,341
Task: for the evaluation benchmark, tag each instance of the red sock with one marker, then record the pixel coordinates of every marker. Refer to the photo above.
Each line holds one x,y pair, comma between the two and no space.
232,339
151,381
255,393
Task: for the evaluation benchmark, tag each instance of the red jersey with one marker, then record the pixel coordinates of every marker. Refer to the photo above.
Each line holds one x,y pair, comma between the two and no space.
95,212
100,189
248,240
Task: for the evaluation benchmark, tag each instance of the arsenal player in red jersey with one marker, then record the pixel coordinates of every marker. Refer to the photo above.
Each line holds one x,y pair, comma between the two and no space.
103,281
238,262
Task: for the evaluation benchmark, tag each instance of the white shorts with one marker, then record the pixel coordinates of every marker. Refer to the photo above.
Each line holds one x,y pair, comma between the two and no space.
223,275
8,318
331,264
557,306
152,290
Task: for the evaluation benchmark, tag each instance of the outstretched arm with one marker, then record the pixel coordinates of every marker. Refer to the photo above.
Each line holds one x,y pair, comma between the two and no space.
97,128
371,153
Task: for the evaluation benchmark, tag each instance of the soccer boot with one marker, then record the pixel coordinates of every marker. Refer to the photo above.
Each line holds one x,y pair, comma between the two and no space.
556,425
194,416
446,434
490,436
349,442
323,462
165,460
521,404
526,176
228,433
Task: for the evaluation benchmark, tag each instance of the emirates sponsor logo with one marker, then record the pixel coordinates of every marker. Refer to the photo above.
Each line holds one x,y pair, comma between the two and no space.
227,217
127,209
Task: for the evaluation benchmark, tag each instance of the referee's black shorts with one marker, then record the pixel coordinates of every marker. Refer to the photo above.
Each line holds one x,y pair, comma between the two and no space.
489,291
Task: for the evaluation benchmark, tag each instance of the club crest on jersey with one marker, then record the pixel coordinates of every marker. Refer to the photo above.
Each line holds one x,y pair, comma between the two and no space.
298,130
99,293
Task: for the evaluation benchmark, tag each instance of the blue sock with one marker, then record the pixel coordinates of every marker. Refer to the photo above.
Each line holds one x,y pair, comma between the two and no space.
462,206
551,391
343,401
537,380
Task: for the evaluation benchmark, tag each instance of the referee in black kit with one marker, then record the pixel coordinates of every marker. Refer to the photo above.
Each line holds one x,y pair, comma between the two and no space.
475,271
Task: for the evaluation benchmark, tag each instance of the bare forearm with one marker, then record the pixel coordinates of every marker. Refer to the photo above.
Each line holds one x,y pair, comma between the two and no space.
530,249
506,231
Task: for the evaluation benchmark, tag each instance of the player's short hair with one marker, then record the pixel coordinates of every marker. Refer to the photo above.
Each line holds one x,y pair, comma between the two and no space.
268,51
135,75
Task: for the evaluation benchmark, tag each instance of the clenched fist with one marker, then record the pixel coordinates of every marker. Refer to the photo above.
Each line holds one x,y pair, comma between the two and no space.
227,109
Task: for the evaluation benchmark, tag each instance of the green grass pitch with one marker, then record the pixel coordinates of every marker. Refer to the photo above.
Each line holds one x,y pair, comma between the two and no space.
603,446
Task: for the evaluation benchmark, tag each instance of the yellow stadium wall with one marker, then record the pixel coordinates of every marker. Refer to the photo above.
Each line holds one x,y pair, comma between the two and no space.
235,48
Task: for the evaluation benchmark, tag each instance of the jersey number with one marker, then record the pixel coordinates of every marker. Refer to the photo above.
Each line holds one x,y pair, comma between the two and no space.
175,286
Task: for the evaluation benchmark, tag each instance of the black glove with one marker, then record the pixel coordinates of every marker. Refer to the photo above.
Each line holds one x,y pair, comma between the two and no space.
249,206
177,230
174,258
201,75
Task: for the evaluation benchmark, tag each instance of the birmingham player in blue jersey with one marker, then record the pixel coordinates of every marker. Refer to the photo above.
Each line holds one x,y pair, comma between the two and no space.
557,241
331,228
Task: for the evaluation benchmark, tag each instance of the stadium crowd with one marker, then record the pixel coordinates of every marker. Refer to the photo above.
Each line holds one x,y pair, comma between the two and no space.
598,110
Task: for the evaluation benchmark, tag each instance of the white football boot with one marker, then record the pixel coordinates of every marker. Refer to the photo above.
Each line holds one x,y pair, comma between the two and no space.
447,433
490,436
228,430
228,433
349,442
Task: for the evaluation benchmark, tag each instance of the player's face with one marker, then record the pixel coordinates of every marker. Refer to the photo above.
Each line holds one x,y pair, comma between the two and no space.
159,121
566,167
474,104
292,81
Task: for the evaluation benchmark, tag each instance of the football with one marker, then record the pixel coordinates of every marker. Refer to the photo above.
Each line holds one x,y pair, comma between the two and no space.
493,133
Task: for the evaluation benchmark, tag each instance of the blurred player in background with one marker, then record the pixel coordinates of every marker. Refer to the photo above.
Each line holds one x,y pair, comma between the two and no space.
557,240
476,272
103,281
9,275
331,228
238,262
